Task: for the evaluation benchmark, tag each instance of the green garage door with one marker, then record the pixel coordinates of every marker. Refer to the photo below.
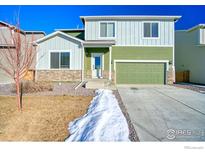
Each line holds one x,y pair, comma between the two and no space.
140,73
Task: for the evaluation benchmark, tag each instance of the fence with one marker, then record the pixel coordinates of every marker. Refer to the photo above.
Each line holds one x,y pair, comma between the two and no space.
182,76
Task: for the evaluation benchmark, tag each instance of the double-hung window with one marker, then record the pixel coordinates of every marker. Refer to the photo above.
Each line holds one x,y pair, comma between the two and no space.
59,60
107,29
151,30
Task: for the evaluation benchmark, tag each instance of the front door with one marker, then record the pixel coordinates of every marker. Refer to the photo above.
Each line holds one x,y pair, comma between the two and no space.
96,65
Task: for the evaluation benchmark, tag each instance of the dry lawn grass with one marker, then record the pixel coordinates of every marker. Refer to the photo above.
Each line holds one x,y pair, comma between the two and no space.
44,118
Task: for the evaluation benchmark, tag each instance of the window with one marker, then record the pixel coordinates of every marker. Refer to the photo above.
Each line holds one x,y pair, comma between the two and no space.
60,60
107,29
151,30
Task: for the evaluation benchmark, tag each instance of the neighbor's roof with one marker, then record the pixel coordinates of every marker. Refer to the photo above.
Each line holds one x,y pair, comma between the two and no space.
22,31
6,24
35,32
56,33
196,27
128,17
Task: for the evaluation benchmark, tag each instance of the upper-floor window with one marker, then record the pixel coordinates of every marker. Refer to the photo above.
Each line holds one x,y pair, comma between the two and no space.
151,30
107,29
60,60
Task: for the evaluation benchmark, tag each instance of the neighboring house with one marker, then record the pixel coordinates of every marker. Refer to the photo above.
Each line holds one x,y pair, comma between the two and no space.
190,52
124,49
5,33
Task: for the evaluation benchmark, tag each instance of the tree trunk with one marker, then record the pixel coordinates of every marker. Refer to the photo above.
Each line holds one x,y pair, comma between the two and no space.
18,93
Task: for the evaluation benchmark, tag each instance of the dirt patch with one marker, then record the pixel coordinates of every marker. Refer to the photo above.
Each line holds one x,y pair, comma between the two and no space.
44,118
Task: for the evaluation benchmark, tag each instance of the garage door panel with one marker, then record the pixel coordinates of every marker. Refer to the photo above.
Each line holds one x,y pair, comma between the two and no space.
140,73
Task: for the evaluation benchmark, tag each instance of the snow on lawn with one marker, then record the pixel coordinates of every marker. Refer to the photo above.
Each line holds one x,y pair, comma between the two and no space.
104,121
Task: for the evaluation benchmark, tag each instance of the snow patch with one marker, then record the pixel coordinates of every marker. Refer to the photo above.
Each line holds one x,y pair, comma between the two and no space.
104,121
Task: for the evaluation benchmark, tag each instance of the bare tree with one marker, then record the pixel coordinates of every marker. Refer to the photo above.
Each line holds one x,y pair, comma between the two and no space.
17,56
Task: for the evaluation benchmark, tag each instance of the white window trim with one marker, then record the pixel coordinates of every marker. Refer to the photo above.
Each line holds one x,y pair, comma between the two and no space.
151,38
49,56
107,38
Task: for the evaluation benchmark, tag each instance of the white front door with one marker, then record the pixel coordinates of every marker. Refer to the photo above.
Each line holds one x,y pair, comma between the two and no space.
96,65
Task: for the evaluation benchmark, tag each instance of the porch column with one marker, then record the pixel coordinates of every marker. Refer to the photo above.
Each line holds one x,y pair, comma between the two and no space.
110,63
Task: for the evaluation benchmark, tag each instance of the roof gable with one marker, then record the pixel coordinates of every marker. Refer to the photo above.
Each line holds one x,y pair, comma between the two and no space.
55,34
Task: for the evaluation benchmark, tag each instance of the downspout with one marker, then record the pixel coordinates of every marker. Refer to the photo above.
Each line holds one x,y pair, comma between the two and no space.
35,75
173,58
83,56
82,67
110,63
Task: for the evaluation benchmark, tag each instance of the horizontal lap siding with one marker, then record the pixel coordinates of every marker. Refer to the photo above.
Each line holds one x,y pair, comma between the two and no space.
130,32
59,43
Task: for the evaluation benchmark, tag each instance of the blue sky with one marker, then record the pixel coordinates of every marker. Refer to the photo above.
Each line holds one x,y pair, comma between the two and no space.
48,18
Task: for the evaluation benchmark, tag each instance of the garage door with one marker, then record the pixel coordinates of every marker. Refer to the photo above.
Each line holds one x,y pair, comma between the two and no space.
140,73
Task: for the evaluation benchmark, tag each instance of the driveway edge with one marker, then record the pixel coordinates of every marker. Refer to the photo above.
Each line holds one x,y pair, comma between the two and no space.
132,132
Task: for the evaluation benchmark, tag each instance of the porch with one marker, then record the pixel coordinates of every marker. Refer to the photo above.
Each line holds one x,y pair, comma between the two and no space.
97,60
100,84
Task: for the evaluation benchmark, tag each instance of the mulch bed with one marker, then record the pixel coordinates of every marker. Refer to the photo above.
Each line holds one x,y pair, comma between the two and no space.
194,87
46,89
132,134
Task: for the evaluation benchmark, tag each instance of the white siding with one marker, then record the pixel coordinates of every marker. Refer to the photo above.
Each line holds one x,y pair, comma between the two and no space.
59,42
131,32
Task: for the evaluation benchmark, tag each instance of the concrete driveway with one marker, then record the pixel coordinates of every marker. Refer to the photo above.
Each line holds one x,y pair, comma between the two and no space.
165,113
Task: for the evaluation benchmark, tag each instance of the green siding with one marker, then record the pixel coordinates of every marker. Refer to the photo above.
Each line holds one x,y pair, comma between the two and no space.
142,53
79,35
88,52
140,73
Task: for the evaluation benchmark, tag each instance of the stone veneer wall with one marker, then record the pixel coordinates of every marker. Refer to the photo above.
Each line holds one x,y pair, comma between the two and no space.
58,75
170,75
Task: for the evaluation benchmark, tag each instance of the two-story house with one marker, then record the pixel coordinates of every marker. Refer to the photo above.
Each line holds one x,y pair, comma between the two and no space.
123,49
190,52
7,31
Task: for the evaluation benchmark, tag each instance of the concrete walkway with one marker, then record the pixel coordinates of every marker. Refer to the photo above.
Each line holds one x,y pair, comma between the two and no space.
99,84
165,113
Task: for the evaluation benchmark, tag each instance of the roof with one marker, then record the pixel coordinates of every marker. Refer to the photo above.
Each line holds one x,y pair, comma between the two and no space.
100,43
196,27
56,33
70,30
6,24
129,17
35,32
78,33
22,31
